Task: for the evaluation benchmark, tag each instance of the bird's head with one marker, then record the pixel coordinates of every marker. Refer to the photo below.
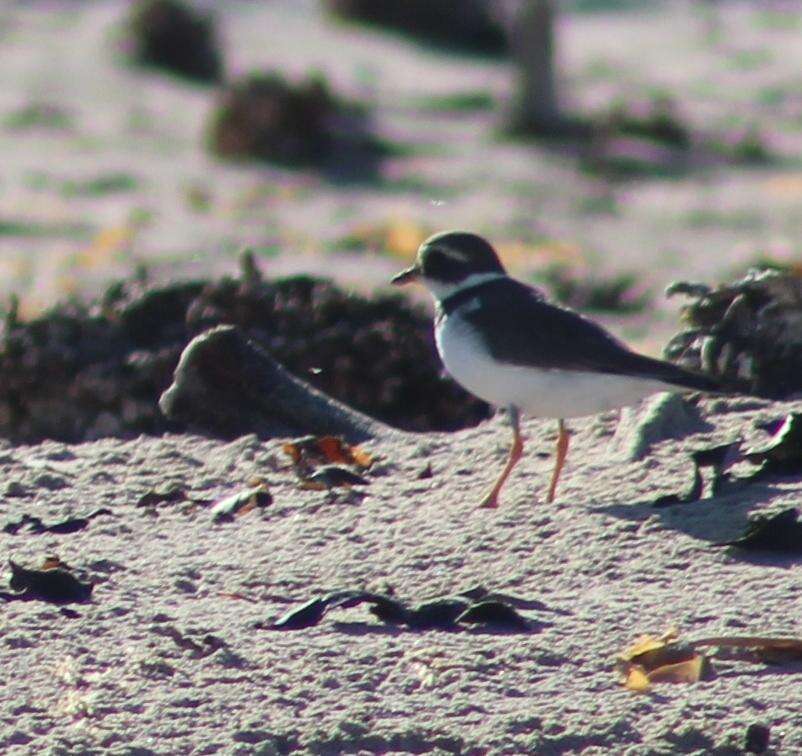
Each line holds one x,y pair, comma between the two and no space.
450,261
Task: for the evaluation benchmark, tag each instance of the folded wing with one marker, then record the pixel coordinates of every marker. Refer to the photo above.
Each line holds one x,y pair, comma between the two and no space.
530,331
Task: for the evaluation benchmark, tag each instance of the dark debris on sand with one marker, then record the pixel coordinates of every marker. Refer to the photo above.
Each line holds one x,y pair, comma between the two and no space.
55,584
87,371
748,331
173,36
478,29
476,607
264,117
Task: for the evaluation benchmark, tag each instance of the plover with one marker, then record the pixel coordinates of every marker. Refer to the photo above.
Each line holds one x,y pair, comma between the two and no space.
502,341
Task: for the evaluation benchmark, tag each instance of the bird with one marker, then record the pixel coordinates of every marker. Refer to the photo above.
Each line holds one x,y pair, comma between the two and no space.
504,342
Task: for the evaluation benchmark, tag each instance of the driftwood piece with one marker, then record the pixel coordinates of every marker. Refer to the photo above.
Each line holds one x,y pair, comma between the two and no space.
226,384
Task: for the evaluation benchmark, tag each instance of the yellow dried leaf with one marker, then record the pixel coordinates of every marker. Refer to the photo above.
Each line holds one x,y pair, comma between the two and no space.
106,246
661,658
641,646
519,254
636,679
398,236
403,237
688,671
648,643
767,648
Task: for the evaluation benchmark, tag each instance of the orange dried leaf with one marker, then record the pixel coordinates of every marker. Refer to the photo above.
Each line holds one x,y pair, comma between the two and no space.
326,449
361,458
334,449
245,508
293,451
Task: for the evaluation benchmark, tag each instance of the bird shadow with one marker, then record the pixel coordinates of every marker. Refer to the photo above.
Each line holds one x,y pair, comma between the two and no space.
714,520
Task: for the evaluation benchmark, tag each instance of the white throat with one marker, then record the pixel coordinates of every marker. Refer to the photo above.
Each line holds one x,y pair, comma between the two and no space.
441,289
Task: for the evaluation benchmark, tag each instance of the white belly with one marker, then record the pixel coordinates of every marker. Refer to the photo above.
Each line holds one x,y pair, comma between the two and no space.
540,393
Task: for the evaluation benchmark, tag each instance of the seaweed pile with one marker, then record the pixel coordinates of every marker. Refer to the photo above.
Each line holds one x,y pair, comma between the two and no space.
478,29
173,36
264,117
748,331
87,371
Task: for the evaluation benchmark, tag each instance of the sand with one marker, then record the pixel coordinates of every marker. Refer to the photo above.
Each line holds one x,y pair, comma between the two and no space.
168,659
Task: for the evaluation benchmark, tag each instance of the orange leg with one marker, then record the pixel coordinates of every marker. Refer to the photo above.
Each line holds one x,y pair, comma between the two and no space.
516,452
563,438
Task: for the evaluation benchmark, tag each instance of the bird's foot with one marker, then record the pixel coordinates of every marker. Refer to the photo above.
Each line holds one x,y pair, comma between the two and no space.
490,501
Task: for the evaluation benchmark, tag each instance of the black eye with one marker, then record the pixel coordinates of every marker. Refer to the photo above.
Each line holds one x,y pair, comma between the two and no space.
442,267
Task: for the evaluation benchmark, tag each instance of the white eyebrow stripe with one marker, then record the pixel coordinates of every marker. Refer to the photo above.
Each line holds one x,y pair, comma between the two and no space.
476,279
454,254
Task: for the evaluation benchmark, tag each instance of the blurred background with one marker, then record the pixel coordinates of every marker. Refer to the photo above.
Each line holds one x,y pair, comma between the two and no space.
607,147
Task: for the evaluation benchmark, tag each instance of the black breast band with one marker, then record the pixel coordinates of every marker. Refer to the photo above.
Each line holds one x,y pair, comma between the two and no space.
450,303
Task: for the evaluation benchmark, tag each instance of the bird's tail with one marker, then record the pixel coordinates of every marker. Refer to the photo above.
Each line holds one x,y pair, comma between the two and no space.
681,377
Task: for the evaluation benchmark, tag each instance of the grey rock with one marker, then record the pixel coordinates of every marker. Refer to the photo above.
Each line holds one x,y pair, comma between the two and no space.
659,418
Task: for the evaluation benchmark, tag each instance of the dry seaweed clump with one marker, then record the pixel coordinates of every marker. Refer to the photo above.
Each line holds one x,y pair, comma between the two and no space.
86,371
748,331
468,25
264,117
653,137
170,34
656,119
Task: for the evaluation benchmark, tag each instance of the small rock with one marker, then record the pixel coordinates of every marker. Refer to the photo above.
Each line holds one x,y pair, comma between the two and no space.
51,482
15,488
252,737
662,417
757,738
333,476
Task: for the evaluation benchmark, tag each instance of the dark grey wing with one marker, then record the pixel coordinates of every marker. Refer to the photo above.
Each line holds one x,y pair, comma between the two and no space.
526,330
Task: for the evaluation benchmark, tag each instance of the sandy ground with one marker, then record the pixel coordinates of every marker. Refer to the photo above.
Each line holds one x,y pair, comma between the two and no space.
123,677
